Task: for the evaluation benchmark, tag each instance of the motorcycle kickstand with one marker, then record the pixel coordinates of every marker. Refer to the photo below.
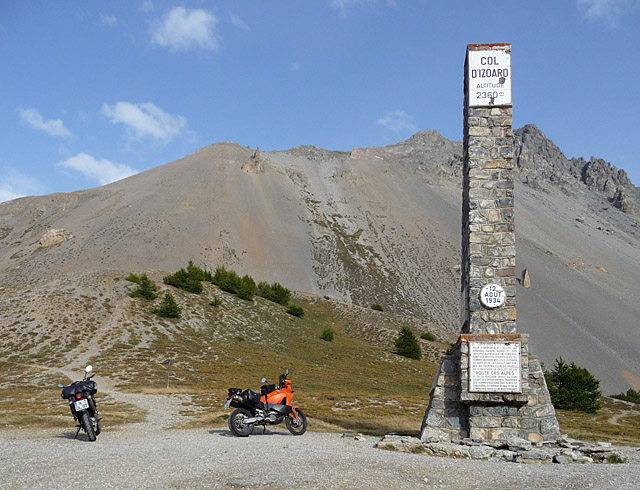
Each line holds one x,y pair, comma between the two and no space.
78,431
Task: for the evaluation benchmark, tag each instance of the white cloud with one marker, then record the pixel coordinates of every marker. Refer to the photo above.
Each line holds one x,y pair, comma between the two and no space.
397,121
145,120
238,22
611,11
7,193
103,171
109,20
53,127
183,29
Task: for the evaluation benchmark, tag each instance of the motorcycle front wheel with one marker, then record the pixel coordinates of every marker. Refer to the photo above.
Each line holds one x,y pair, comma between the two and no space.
237,422
88,427
297,426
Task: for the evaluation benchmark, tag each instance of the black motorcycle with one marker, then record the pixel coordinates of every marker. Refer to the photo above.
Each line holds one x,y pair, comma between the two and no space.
82,404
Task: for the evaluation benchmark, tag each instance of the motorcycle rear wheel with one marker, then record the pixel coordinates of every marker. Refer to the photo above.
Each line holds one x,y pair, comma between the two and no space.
237,423
88,427
296,426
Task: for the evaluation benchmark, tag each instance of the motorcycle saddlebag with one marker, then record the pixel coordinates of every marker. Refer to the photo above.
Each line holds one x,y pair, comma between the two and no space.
266,389
91,387
78,387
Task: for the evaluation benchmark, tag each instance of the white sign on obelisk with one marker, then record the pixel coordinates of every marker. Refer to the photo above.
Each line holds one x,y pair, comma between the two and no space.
489,78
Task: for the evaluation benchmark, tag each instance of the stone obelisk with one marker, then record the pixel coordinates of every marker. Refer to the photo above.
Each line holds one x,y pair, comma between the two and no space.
489,387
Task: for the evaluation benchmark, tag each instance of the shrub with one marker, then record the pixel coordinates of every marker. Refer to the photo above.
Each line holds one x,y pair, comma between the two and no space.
168,308
427,336
146,288
327,334
133,278
614,458
377,307
407,344
573,388
295,310
631,395
215,302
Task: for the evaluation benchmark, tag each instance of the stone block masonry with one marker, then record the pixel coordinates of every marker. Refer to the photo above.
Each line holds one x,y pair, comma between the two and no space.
490,387
488,231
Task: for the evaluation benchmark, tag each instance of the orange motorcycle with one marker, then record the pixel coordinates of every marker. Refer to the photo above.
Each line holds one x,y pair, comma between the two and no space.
269,407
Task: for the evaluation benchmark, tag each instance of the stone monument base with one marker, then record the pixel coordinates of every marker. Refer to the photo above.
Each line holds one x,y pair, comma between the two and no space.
455,412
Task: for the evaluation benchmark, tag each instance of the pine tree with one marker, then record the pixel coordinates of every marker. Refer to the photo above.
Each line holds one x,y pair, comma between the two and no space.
196,272
407,344
146,289
219,276
573,388
246,288
184,280
280,294
230,283
275,292
168,308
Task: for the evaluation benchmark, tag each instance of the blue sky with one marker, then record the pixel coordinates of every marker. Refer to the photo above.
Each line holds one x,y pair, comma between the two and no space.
92,92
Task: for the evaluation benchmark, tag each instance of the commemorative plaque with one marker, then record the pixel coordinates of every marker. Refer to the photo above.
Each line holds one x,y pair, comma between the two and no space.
492,296
494,367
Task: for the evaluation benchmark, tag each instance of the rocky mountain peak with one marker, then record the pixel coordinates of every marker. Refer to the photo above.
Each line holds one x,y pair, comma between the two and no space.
600,175
427,137
537,153
540,160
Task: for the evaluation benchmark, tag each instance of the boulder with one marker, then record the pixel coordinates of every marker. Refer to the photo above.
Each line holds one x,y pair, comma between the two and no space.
526,280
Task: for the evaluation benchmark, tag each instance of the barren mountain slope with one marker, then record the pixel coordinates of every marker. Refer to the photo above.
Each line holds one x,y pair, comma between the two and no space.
367,230
376,225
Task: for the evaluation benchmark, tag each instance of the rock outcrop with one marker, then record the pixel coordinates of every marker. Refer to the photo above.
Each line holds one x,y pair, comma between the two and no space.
540,161
54,237
255,164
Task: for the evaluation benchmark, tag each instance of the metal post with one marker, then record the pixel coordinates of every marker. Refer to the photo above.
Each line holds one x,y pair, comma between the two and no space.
168,363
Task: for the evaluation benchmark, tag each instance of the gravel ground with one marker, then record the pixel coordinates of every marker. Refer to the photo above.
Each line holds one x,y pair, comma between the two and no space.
143,457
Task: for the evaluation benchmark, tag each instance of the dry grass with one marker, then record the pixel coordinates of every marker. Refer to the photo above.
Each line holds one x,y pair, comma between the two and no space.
617,422
240,342
354,383
29,397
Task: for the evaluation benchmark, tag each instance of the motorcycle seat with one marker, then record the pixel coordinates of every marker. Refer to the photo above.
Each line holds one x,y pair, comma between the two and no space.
251,396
